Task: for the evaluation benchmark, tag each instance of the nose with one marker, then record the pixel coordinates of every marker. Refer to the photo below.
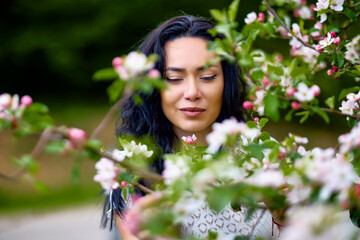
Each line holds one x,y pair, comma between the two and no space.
192,91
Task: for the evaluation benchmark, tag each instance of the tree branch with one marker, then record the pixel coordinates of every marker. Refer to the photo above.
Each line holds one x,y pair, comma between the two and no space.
111,113
272,11
328,110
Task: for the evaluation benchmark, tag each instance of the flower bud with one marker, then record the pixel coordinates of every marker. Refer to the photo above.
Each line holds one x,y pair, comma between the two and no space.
266,81
337,41
117,62
123,183
319,48
256,119
330,72
26,100
261,17
76,134
154,73
290,91
315,89
295,105
333,34
248,105
335,68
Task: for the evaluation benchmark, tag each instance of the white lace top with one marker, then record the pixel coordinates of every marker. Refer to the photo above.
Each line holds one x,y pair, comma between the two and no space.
229,223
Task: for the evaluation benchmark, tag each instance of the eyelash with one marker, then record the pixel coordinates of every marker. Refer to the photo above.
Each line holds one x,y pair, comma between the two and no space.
178,79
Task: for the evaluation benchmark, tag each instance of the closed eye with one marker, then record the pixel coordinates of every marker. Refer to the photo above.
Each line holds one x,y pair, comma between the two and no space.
210,77
173,79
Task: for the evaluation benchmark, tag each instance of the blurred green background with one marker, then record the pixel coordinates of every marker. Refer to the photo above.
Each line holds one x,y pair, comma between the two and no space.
50,50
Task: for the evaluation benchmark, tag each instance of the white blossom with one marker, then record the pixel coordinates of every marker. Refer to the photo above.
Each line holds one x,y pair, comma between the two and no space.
305,12
106,174
337,5
251,17
175,169
303,93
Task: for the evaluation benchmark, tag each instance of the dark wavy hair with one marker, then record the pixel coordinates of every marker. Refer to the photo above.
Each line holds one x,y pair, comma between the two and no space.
148,117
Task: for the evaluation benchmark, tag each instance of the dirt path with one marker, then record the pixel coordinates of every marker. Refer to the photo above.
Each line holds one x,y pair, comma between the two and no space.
75,223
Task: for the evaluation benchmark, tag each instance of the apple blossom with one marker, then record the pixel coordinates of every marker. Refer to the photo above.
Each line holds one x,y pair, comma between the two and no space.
106,174
305,12
26,100
15,102
189,139
335,68
76,134
337,41
261,17
330,72
251,17
333,34
117,62
154,73
327,41
315,89
123,183
295,105
303,93
319,48
337,5
248,105
175,168
5,100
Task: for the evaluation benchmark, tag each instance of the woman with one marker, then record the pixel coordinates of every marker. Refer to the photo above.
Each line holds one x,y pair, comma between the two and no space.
196,96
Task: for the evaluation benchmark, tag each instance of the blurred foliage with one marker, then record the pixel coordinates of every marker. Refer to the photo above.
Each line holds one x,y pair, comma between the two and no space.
57,45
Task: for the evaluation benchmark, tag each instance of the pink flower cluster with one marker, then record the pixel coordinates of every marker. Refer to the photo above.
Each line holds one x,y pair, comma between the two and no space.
77,139
189,139
327,41
350,140
106,174
252,17
11,107
351,106
134,64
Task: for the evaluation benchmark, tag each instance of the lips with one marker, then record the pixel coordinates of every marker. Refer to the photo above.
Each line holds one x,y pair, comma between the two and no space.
192,111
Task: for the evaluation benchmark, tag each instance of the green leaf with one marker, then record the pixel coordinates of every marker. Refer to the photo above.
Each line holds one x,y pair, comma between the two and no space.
251,124
350,14
345,92
233,8
41,187
115,90
106,74
355,216
330,102
219,197
264,136
263,121
217,15
321,113
256,151
275,69
305,117
55,147
272,107
288,116
257,74
341,59
335,59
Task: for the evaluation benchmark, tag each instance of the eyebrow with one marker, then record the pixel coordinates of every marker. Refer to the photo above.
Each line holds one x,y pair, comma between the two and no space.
176,69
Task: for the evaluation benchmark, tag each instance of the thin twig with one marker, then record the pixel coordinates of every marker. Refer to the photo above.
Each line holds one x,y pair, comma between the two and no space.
110,115
355,4
328,110
142,187
272,11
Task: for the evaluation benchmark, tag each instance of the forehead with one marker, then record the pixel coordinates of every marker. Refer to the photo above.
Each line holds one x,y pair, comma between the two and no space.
187,52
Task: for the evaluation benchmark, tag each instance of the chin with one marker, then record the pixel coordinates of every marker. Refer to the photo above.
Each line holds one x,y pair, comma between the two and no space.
195,127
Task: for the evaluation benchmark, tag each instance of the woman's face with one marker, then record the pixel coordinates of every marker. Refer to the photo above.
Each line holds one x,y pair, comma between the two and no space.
193,96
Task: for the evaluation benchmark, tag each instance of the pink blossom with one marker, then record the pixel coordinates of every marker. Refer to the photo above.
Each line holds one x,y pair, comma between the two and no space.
319,48
26,100
77,136
117,62
123,73
106,174
189,139
296,13
123,183
279,57
337,41
5,100
330,72
154,73
256,119
315,89
290,91
266,81
261,17
248,105
3,115
333,34
295,105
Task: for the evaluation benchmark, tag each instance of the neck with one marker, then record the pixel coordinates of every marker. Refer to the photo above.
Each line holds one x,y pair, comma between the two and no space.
200,135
